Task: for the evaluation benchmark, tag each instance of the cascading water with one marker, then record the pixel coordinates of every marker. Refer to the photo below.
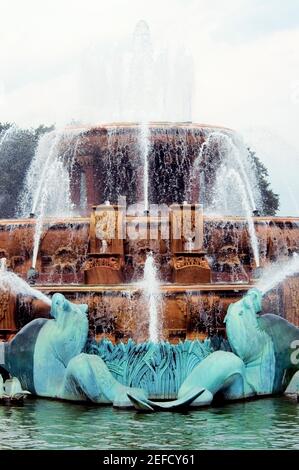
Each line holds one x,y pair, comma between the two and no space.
235,190
233,154
171,163
9,281
47,186
277,273
119,169
230,178
153,298
144,148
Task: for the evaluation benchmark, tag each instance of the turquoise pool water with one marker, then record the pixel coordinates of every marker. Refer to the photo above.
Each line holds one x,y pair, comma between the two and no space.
42,424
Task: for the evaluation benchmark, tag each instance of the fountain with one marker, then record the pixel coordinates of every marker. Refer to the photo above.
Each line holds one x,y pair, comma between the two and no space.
151,283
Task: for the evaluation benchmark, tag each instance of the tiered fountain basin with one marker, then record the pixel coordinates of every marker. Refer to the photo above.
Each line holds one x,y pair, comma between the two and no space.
194,303
107,162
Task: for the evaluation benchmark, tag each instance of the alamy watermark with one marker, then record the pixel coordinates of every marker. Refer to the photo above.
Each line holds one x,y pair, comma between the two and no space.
159,222
295,353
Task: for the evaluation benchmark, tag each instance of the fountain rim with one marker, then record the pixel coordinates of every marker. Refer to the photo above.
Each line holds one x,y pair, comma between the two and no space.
166,288
150,124
207,218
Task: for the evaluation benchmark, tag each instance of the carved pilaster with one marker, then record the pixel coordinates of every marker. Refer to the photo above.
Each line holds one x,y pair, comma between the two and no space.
106,251
93,184
7,312
189,263
186,227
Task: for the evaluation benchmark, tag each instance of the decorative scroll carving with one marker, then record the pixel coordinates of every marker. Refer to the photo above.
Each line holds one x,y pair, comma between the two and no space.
110,262
228,265
3,253
228,256
65,259
181,262
24,239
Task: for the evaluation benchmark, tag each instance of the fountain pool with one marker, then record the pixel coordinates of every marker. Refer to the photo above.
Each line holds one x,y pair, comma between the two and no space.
271,423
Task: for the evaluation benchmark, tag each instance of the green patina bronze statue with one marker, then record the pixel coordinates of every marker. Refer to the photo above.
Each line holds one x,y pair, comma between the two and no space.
262,361
49,359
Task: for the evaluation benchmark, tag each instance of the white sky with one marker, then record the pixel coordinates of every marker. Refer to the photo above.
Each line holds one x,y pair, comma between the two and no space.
57,58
